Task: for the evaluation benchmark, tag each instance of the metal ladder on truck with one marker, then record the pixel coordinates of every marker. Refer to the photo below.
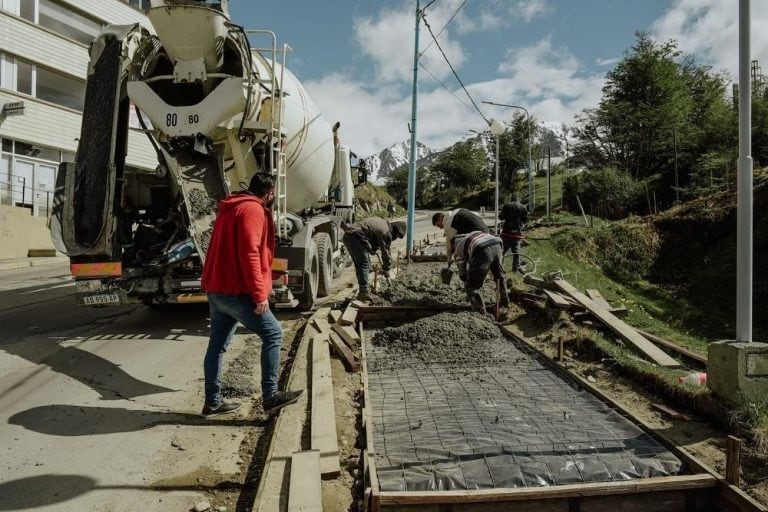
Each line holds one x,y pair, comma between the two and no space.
277,140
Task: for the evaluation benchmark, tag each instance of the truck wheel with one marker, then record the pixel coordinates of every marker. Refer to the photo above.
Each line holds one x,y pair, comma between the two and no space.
308,297
325,253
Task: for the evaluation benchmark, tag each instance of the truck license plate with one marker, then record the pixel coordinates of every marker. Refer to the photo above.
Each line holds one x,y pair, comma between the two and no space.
105,298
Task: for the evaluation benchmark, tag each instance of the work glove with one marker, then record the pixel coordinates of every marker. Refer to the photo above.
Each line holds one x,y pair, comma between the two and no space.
386,274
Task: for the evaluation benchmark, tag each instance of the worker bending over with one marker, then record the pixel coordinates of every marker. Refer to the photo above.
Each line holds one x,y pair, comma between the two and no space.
458,222
514,215
476,253
365,238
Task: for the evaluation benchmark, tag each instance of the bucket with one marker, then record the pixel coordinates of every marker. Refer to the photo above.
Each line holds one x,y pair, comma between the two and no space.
446,274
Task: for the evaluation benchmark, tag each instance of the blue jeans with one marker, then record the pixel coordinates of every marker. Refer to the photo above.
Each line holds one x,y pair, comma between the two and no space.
361,258
226,311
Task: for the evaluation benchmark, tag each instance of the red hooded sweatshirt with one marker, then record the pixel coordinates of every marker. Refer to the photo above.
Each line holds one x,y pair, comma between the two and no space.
239,257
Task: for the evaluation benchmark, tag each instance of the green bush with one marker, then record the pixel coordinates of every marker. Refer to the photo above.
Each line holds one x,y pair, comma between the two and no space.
622,250
607,193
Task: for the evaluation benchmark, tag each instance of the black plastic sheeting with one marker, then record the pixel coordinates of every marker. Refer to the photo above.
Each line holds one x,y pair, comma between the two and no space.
511,424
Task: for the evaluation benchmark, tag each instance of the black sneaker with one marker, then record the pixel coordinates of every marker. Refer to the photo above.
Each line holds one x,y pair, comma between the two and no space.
223,408
281,399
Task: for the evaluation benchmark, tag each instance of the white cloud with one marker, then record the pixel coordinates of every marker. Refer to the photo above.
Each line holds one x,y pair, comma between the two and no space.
709,29
388,39
606,62
548,81
530,9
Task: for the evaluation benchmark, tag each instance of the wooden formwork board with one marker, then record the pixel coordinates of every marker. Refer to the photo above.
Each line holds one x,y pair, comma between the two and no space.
701,491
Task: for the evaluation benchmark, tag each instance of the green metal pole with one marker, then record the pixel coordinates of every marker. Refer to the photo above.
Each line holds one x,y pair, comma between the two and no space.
414,152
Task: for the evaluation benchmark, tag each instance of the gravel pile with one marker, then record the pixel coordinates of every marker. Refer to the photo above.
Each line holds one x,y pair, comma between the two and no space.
455,338
200,203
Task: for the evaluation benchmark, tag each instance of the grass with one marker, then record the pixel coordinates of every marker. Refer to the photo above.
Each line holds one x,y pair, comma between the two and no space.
652,308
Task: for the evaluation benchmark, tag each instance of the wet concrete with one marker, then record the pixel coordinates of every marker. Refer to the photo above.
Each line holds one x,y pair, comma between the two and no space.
455,338
419,284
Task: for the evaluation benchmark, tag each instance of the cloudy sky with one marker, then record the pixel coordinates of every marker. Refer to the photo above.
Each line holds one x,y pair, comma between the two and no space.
355,57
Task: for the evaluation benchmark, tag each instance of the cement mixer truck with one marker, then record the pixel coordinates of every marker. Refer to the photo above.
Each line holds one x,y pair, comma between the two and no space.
216,110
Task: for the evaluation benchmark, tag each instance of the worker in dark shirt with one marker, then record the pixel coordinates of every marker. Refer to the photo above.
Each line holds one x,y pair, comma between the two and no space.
515,215
458,222
368,237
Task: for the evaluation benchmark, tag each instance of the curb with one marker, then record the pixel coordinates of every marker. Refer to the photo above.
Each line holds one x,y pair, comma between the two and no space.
32,262
11,265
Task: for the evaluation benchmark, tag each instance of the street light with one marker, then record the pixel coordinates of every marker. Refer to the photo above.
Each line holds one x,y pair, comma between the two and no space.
496,128
528,122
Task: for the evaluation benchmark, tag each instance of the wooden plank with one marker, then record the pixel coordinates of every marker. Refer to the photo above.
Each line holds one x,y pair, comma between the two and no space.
305,493
620,312
733,460
350,314
738,499
641,486
334,316
271,495
341,349
690,354
323,436
557,300
348,334
596,296
669,412
626,332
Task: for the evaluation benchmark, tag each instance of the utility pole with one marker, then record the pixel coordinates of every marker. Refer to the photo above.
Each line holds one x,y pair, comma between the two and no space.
549,180
414,150
677,182
744,208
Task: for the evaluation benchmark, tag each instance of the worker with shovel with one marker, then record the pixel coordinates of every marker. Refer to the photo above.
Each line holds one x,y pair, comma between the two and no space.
476,253
367,237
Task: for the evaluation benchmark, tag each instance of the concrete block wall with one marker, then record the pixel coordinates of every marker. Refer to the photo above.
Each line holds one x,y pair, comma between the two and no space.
20,232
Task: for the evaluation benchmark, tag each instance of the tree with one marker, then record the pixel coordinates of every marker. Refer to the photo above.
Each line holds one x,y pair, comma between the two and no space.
513,150
651,94
463,166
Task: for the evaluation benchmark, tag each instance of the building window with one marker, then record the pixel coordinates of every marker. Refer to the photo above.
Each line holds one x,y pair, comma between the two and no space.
22,76
67,22
142,5
25,77
28,175
60,89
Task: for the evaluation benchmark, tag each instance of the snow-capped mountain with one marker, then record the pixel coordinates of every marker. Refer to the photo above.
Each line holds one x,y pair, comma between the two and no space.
382,164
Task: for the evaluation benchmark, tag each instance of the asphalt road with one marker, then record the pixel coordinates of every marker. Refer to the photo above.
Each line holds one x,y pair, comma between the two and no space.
99,407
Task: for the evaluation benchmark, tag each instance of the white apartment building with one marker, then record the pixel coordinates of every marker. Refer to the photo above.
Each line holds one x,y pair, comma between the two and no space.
43,63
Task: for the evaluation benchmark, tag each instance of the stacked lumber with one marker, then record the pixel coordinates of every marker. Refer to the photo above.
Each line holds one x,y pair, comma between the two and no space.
591,305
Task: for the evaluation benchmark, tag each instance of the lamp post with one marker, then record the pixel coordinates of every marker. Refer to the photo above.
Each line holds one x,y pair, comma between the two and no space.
528,122
496,128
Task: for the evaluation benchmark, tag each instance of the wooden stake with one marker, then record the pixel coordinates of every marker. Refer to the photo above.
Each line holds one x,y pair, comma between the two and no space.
560,349
733,460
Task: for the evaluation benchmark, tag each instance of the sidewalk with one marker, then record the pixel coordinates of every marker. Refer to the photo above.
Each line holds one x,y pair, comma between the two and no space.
10,264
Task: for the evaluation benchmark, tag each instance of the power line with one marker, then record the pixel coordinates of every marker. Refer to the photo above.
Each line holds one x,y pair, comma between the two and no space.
447,89
444,26
430,3
426,23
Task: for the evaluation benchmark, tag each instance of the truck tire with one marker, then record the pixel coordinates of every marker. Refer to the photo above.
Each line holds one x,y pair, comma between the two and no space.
325,254
308,296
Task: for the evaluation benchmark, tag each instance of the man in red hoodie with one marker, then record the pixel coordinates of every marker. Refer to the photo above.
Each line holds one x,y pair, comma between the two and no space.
237,277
